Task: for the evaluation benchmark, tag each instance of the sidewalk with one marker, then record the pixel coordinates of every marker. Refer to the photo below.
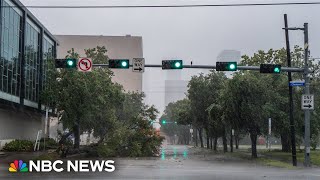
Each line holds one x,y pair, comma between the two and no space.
7,157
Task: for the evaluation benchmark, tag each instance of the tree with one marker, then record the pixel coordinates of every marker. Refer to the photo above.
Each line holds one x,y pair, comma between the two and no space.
178,116
278,108
247,95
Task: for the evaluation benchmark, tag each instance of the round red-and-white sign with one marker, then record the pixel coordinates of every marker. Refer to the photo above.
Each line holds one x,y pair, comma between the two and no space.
85,64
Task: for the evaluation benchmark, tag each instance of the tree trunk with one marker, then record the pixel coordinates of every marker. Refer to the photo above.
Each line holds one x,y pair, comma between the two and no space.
224,141
253,137
76,132
48,128
215,143
285,143
196,137
231,142
211,139
64,138
200,136
237,141
208,139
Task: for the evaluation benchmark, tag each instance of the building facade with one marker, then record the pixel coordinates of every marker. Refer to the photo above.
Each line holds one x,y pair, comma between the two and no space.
25,48
119,47
175,88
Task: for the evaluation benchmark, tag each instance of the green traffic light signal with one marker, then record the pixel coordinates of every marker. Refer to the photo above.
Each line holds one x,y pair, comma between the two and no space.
276,70
71,63
177,64
164,121
232,67
172,64
119,63
226,66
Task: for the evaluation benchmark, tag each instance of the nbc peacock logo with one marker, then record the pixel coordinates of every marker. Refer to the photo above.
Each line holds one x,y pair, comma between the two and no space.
18,166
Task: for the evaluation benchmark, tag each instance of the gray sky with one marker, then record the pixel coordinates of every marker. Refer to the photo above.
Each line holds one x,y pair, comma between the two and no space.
196,34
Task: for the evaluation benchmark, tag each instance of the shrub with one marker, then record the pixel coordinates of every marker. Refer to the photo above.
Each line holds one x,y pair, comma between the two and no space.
104,150
49,142
19,146
135,149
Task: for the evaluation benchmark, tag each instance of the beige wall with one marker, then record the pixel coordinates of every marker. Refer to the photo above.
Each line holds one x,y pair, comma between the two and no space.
19,125
119,47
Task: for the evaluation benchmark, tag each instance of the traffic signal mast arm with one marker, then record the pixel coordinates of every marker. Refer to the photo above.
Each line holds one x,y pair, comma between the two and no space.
255,68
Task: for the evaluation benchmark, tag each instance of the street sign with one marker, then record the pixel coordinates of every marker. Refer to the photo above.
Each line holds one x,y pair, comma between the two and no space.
138,65
85,65
307,102
296,83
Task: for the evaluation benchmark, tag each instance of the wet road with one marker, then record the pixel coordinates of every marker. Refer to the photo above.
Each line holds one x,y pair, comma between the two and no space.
179,162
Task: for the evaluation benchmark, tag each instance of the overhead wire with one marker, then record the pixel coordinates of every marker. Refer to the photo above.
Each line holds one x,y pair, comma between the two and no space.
166,6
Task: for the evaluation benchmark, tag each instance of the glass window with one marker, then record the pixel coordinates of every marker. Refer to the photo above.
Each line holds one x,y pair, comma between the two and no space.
10,51
48,56
32,63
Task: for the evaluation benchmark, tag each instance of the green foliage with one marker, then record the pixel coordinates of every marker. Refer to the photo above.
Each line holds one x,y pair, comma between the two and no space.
106,150
135,149
19,146
91,102
49,142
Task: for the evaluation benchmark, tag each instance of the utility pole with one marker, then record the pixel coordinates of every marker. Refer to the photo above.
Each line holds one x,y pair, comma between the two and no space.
306,74
292,129
307,92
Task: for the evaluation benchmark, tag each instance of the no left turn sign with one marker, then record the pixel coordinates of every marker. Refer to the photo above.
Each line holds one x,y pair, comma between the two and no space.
85,65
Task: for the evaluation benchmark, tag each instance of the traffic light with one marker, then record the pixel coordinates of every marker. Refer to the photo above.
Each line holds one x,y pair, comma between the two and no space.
66,63
164,122
119,63
226,66
71,63
270,68
172,64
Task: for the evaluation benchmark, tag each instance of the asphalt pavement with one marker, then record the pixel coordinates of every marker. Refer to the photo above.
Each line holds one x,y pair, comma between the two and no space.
177,162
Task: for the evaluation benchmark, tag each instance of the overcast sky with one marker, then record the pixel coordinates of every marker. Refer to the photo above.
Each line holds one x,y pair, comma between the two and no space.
196,34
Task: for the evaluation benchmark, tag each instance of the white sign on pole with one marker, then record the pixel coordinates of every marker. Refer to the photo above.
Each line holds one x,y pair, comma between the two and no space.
191,130
307,102
85,65
138,65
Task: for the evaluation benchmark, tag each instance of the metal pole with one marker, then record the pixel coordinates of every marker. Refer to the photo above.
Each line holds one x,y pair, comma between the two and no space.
292,129
256,68
307,92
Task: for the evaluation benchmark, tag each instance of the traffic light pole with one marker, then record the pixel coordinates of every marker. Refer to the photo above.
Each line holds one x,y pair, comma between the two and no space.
255,68
307,92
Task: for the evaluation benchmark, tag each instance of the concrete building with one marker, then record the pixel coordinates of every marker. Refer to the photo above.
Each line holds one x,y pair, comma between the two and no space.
175,88
26,47
119,47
